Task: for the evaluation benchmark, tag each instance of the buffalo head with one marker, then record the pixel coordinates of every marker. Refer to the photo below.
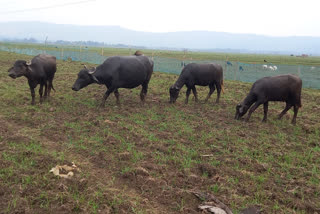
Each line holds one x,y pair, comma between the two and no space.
85,78
174,93
20,68
241,110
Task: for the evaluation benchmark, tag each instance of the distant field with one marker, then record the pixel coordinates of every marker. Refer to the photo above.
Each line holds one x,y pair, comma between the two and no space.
147,158
244,58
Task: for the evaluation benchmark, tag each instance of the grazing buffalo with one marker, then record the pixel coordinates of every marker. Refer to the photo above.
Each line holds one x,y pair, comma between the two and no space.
118,72
40,70
198,74
285,88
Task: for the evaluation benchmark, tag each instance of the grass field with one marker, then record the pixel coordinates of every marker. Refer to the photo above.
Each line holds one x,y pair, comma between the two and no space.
181,55
147,158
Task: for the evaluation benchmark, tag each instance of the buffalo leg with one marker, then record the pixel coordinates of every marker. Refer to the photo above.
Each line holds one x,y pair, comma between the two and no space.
116,94
143,92
252,109
194,90
212,88
187,95
33,95
288,106
49,87
106,95
265,111
45,90
41,92
218,92
295,109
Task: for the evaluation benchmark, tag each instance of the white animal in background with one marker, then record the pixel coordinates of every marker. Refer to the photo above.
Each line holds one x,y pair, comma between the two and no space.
312,68
275,67
271,68
264,66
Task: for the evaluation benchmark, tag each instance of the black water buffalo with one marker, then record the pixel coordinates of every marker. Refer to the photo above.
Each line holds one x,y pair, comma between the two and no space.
285,88
198,74
118,72
40,70
138,53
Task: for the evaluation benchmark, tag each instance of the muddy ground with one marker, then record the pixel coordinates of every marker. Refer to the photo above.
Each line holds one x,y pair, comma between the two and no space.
148,158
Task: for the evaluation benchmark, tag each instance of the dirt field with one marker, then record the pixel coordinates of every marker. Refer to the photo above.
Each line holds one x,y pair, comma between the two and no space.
148,158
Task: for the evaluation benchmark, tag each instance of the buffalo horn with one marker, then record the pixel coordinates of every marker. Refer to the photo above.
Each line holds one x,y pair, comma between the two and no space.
92,71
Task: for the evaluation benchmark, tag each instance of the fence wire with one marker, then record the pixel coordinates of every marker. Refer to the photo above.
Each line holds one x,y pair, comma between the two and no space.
244,72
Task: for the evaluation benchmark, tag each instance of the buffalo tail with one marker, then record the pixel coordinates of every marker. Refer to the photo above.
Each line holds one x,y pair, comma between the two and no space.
53,88
222,86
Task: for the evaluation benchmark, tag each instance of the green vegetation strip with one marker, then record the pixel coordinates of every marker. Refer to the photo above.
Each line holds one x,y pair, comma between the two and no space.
180,55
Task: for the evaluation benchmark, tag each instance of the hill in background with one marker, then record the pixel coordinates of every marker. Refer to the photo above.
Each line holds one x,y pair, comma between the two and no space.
195,40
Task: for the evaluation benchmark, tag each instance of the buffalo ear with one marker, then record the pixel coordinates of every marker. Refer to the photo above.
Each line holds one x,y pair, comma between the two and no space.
95,78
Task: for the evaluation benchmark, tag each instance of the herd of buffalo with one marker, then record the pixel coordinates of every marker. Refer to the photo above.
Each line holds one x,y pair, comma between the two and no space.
132,71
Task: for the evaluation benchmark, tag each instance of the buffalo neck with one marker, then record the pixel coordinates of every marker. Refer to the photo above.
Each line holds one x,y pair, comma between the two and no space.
97,77
29,72
179,83
249,100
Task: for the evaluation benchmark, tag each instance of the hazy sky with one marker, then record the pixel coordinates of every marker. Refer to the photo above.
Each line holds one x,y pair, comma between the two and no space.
269,17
